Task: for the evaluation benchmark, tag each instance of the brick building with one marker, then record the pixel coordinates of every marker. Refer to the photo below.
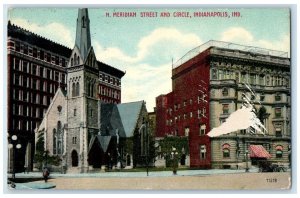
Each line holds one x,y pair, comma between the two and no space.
208,84
36,67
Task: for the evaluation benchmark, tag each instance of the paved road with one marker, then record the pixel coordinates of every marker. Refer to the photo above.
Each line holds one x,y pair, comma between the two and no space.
250,181
163,180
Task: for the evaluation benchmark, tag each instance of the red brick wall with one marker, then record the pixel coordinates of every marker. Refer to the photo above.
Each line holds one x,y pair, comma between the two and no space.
187,80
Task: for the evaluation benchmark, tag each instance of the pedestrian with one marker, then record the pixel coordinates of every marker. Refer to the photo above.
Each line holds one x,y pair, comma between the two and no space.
46,173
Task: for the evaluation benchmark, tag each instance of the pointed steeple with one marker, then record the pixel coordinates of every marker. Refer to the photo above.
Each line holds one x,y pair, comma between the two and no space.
83,36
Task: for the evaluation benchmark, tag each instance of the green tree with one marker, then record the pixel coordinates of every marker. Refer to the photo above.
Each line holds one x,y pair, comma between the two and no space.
42,156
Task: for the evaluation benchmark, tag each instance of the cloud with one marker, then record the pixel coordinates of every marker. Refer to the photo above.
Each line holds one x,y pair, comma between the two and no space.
148,72
166,40
244,37
237,35
54,31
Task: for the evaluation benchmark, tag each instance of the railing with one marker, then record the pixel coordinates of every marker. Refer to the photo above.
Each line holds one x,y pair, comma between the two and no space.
227,45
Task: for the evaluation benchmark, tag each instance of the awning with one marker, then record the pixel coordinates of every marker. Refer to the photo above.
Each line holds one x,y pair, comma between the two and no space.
279,147
258,151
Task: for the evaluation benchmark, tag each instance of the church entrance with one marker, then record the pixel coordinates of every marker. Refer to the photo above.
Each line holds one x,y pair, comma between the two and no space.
74,159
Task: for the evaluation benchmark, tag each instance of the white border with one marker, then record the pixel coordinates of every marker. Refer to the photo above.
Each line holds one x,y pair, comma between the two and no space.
167,3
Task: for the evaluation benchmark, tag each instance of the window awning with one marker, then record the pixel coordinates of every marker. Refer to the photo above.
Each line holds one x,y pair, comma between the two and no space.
258,151
279,147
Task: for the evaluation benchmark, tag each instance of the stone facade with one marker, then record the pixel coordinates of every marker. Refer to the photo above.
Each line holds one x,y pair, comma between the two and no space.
226,70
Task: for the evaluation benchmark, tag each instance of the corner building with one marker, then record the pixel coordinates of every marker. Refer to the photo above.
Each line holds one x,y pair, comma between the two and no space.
36,68
209,86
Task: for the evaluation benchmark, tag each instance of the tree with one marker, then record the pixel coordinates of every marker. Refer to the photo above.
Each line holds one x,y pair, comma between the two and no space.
41,156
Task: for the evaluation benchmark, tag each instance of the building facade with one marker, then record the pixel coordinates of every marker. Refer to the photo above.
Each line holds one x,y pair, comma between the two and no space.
208,87
80,127
36,68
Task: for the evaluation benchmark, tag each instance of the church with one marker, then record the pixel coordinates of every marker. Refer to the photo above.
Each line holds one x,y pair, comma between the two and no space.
84,131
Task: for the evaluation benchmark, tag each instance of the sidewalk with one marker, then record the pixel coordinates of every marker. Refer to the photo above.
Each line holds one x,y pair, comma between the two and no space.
32,185
137,174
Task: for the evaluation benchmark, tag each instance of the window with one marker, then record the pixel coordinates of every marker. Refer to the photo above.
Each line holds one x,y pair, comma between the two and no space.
278,132
243,77
202,152
262,97
54,141
226,150
75,112
221,75
279,151
277,97
214,74
262,80
73,90
74,140
91,112
225,108
277,112
252,79
34,53
48,57
226,153
191,114
17,46
279,154
42,55
202,129
199,113
25,66
186,131
77,89
225,92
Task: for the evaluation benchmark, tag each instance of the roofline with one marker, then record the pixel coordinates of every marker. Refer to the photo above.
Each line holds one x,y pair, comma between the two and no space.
227,45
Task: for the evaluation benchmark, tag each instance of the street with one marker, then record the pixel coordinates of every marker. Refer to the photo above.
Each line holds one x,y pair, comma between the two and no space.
239,181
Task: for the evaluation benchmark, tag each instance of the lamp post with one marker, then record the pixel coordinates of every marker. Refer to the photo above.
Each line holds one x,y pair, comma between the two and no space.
246,156
14,145
174,154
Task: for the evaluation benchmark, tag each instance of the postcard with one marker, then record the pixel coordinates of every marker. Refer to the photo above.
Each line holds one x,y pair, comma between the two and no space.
105,98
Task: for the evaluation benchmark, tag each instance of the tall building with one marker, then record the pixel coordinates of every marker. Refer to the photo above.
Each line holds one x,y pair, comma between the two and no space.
36,68
208,84
79,127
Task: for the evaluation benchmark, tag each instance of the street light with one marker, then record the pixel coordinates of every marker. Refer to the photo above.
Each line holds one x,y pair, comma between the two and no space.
246,155
174,154
14,145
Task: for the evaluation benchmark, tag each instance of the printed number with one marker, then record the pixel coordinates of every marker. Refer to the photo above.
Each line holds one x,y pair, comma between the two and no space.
271,180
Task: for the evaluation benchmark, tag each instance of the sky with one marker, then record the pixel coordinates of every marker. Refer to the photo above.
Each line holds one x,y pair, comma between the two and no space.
144,47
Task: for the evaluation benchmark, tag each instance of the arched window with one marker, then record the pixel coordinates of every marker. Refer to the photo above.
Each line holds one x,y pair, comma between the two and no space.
83,21
54,141
279,151
226,150
75,59
225,92
72,63
88,89
73,90
77,89
92,89
59,138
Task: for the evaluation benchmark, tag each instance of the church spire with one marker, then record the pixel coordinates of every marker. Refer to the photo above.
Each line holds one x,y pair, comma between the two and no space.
83,36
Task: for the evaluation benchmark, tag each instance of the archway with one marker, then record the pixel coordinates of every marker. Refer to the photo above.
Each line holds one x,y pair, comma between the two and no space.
182,159
74,158
128,160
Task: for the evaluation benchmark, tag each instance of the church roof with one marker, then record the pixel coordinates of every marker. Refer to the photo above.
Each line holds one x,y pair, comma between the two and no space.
104,142
129,113
121,118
